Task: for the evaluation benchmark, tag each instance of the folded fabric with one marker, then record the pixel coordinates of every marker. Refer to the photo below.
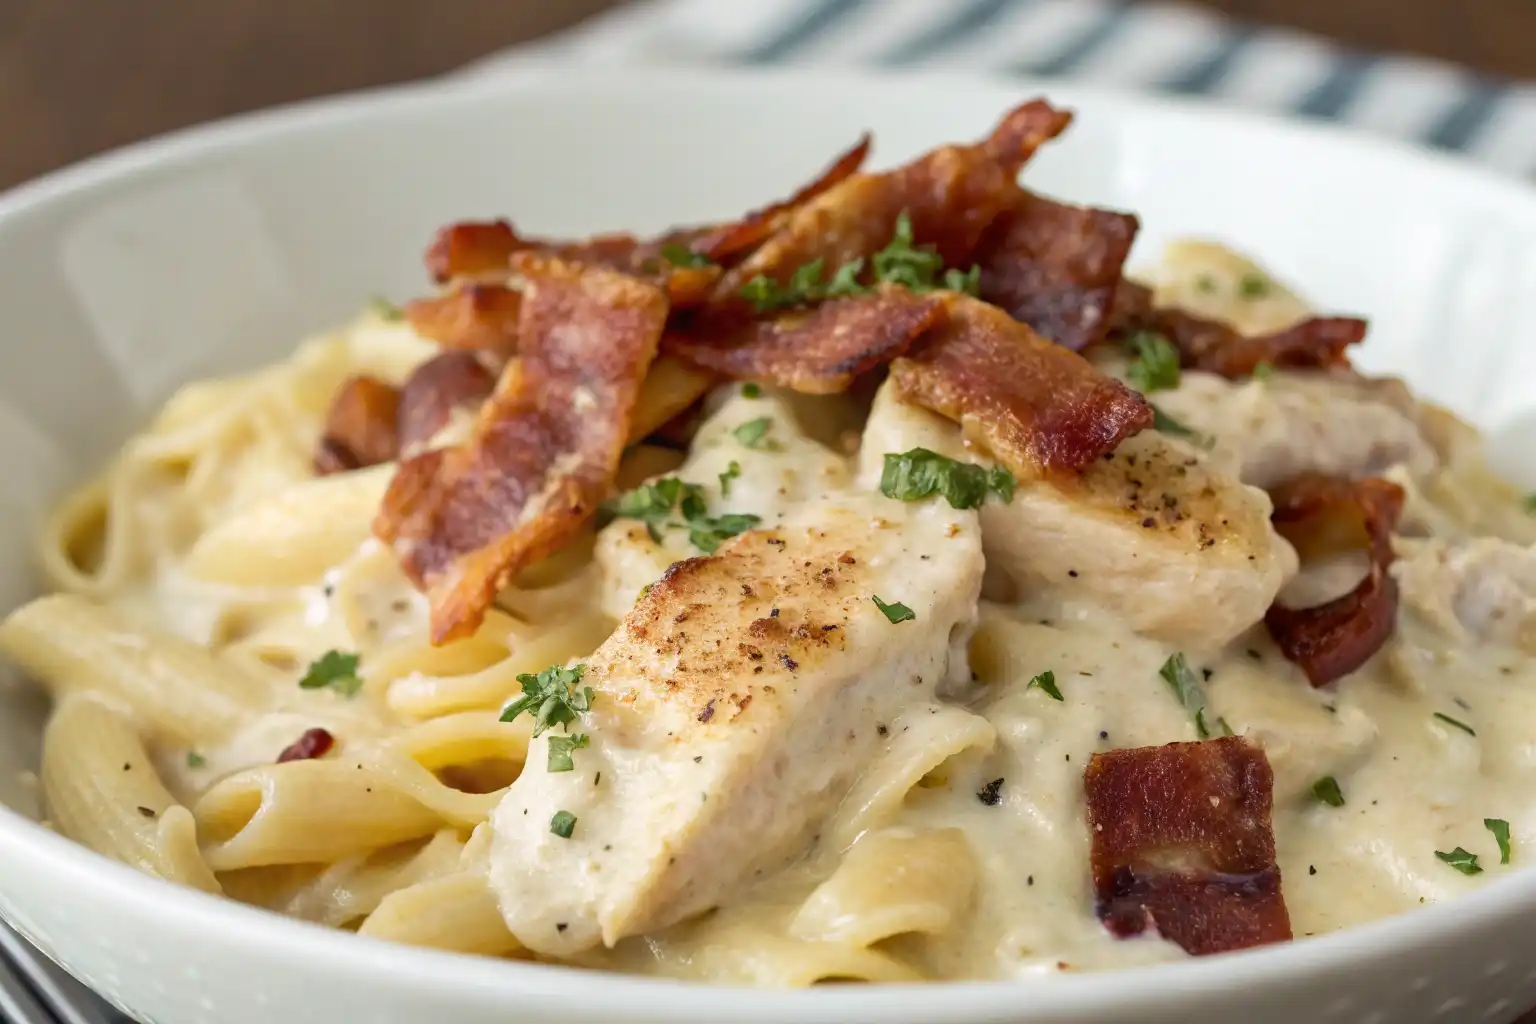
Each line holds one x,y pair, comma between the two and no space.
1169,48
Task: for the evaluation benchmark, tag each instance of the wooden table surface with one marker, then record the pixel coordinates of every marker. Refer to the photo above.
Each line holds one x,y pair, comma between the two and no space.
81,76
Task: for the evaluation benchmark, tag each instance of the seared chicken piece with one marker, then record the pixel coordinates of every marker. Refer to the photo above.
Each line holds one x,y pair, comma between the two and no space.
734,707
1268,431
1213,281
1479,591
1154,534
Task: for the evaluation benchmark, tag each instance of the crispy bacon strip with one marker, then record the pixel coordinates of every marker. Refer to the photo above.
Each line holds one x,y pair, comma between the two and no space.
1183,844
449,382
463,520
1056,267
1322,514
474,316
472,249
952,195
1315,343
728,240
1037,407
359,427
817,351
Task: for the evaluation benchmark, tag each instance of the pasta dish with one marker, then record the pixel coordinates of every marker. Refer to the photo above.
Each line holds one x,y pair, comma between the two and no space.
884,585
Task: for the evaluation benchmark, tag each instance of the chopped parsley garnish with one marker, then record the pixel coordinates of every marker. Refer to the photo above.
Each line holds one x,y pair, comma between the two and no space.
1461,860
1463,726
563,824
895,611
707,533
754,434
653,504
920,473
1327,791
1530,503
919,268
731,473
1500,829
1186,687
1205,283
1253,286
551,697
560,748
195,760
1165,424
1156,363
1046,681
335,669
386,310
751,390
991,793
681,256
1263,370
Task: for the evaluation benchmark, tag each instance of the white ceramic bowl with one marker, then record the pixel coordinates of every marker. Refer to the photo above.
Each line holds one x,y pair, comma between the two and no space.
216,249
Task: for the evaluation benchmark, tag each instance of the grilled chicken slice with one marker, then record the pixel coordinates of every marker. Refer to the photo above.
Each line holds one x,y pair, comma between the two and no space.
1155,534
1480,591
733,708
1268,431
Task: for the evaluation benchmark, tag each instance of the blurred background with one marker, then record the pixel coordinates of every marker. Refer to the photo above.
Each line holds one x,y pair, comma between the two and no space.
81,76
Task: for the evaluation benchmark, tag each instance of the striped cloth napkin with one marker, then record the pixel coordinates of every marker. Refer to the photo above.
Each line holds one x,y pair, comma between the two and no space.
1165,47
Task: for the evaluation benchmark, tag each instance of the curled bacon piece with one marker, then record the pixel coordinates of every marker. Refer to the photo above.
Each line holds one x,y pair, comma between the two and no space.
1315,343
1056,267
474,316
1323,515
359,427
1183,843
472,249
449,382
464,519
1036,406
952,195
817,351
313,743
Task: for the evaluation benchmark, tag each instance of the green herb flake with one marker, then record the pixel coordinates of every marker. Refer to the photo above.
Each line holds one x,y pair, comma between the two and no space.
1165,424
1206,283
1186,687
1155,365
195,760
754,434
751,390
1046,681
551,697
1253,286
919,473
895,611
846,280
1327,791
1264,370
707,533
560,748
334,669
563,824
1463,726
732,471
1500,829
966,281
1530,503
681,256
386,310
1461,860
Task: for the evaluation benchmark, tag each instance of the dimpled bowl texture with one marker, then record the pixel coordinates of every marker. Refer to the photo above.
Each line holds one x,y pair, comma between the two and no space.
218,249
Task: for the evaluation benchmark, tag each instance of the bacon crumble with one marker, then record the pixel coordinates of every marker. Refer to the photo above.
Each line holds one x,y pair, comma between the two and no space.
1322,515
1316,343
1035,406
1183,844
464,519
314,743
360,428
449,382
1057,267
818,350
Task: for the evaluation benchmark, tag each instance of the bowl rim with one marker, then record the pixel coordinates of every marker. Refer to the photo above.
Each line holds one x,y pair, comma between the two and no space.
553,988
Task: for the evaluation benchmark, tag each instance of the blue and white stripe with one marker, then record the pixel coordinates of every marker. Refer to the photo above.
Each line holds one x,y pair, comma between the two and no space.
1164,47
